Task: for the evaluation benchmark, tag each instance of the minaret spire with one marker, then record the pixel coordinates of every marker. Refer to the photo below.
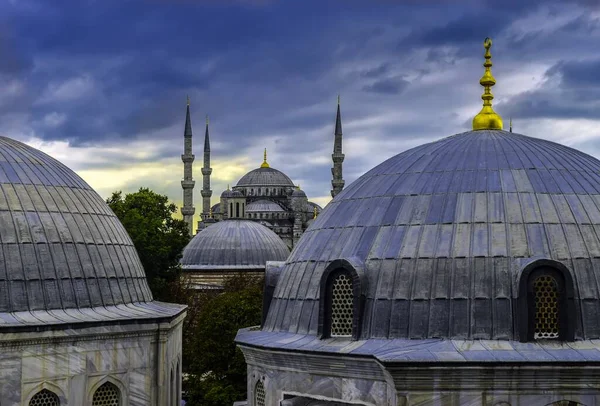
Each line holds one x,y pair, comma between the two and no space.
187,183
337,183
206,171
265,164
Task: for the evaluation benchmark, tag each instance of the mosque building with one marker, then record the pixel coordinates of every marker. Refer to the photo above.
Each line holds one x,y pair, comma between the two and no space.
264,195
78,323
464,271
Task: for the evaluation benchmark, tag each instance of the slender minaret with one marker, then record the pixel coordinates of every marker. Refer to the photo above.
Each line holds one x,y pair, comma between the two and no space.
187,183
206,171
337,182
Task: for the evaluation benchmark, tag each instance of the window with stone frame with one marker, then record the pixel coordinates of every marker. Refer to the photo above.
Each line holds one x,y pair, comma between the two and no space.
45,398
259,394
107,395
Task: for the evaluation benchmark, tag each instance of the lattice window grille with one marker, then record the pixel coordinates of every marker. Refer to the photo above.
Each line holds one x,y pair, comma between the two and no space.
342,306
107,395
44,398
259,394
546,307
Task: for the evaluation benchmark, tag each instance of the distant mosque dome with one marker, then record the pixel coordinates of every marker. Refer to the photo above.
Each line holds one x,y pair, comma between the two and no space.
233,245
265,177
298,192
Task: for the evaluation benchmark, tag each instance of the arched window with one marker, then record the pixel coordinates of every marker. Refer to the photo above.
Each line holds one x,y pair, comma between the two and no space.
341,303
45,398
107,395
230,209
546,302
545,292
237,209
259,394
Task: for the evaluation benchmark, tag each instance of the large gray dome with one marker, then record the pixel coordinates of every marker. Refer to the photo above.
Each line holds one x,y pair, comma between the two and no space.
265,177
443,232
62,246
233,244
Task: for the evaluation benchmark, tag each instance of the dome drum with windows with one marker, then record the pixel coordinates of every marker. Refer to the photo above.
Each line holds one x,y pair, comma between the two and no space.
448,236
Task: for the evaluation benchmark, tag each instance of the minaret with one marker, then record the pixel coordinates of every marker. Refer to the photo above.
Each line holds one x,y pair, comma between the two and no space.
337,183
206,171
187,183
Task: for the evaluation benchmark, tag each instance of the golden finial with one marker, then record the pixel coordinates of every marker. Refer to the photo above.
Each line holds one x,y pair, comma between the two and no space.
315,212
487,119
210,213
228,186
265,164
188,99
298,186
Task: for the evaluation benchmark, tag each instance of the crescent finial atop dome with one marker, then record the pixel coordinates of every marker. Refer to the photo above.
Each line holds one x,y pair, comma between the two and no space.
265,164
487,119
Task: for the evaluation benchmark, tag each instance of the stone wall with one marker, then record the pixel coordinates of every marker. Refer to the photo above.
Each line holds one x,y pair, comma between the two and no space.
137,358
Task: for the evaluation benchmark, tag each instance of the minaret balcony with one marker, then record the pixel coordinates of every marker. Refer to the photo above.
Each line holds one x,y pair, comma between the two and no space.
188,211
206,171
337,157
338,183
188,184
188,158
206,193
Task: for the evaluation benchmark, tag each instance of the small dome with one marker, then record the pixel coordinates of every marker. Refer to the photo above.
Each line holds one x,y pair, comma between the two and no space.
227,193
216,209
298,193
62,245
236,194
234,244
263,206
265,177
443,232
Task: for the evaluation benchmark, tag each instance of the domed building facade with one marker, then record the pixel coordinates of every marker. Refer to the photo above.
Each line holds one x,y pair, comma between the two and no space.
269,197
264,195
229,247
78,324
461,272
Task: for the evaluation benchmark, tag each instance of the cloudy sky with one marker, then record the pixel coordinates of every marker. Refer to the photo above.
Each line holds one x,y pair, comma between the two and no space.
101,84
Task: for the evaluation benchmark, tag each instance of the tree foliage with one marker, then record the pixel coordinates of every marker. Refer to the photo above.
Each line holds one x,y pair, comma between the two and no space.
217,367
158,237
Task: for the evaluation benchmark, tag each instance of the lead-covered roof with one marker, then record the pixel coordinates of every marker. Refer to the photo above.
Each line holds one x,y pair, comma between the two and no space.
233,244
444,229
61,247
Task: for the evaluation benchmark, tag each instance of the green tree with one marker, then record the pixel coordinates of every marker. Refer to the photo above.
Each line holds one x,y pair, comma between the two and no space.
217,367
158,237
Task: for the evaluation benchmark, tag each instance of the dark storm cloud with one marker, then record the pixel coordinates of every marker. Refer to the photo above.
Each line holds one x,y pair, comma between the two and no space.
391,86
571,90
266,70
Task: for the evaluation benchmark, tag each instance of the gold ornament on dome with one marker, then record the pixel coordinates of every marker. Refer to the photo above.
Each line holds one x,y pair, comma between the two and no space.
487,119
265,164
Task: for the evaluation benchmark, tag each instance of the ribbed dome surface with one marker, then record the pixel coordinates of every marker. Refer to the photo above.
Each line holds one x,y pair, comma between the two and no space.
265,177
263,206
444,229
62,246
234,244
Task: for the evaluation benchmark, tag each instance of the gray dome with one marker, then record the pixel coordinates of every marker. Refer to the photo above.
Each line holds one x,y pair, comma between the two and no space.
443,232
265,177
62,246
298,193
227,193
234,244
263,206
